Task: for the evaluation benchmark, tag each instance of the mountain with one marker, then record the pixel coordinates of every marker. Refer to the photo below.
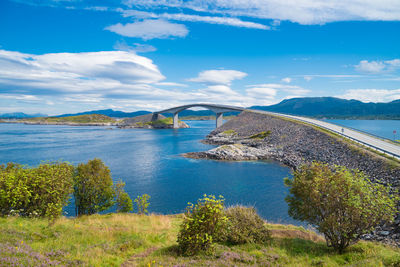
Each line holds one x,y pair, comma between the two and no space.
20,115
331,107
109,113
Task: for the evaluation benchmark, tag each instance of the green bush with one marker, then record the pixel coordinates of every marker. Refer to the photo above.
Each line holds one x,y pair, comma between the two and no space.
93,188
142,203
122,199
343,204
40,191
244,226
202,225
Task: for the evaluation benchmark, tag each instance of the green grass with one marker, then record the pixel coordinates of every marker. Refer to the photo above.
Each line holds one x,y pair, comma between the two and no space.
92,118
260,135
230,132
114,239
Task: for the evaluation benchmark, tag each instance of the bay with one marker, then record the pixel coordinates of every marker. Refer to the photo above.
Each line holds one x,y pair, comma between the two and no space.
150,161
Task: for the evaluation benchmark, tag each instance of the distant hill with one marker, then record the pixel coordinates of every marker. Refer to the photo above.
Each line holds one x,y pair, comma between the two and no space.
109,113
20,115
331,107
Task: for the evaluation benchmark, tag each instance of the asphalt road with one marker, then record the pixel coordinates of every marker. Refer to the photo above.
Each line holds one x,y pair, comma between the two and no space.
374,142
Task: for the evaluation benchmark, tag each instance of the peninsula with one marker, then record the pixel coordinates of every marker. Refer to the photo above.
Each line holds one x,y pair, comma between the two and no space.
255,136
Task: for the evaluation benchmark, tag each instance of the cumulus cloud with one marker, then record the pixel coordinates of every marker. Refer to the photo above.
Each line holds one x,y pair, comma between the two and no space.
299,11
372,95
150,29
235,22
59,73
377,67
218,76
286,80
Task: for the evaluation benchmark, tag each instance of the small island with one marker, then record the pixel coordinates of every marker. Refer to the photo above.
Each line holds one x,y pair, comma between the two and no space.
144,121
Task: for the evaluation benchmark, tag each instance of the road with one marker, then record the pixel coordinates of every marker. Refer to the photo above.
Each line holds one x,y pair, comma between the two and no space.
382,145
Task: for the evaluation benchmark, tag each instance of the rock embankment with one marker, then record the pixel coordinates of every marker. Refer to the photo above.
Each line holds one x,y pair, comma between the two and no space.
255,136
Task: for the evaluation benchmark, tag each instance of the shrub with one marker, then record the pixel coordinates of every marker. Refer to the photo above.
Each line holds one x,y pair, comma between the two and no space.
93,188
41,191
122,199
142,203
245,226
343,204
202,225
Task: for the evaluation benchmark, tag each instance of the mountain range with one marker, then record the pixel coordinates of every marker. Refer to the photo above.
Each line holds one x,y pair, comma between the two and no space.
331,107
319,107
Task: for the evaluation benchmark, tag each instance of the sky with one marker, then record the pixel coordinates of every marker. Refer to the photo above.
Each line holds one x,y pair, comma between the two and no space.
66,56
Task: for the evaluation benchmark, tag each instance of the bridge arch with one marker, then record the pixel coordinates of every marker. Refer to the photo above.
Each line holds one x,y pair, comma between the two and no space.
219,110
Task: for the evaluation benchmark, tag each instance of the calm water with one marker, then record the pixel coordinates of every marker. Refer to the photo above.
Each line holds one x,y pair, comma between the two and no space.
382,128
149,162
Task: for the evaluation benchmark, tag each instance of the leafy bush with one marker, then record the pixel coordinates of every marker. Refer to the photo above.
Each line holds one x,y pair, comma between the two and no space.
202,225
245,226
93,188
41,191
122,199
142,203
343,204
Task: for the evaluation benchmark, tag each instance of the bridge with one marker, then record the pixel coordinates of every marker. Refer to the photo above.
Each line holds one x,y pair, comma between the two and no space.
219,110
375,142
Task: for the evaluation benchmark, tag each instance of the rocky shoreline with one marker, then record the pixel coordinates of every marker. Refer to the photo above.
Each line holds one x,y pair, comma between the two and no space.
255,136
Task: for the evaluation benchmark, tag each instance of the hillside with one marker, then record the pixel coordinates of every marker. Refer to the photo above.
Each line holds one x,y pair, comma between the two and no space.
20,115
109,113
139,240
330,107
93,119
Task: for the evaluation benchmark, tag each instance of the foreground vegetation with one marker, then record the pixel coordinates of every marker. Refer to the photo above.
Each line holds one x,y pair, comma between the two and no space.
140,240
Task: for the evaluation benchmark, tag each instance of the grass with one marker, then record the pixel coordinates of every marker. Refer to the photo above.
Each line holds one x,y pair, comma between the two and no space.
92,118
260,135
138,240
230,132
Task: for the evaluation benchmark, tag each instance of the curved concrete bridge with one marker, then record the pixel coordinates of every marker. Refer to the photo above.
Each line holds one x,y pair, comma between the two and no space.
218,109
381,144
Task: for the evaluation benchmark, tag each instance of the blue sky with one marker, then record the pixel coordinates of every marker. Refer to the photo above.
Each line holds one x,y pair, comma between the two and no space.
75,55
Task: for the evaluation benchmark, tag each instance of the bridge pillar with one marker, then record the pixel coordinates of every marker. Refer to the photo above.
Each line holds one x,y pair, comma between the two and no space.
154,117
176,120
219,119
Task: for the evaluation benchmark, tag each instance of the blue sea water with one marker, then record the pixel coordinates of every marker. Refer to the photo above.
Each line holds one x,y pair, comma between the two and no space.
382,128
149,161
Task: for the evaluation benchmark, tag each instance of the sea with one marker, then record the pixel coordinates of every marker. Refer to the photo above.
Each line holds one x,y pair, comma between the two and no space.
150,162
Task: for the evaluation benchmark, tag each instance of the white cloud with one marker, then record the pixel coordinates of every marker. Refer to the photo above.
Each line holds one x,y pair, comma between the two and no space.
171,84
299,11
286,80
372,95
195,18
267,92
136,47
273,88
150,29
76,73
218,76
308,78
377,67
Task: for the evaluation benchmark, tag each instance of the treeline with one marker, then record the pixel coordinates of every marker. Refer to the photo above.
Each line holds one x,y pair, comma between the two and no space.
44,190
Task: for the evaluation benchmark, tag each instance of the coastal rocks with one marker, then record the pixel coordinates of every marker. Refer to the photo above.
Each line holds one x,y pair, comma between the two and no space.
235,152
294,144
